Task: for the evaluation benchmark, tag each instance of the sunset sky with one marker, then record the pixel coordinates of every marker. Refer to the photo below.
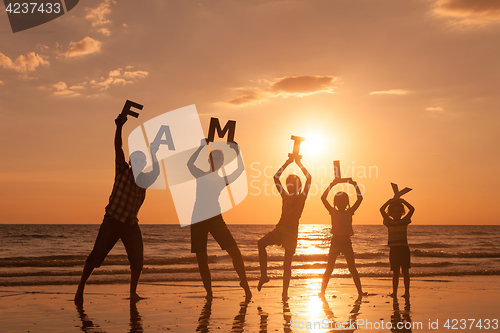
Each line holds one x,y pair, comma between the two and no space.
407,89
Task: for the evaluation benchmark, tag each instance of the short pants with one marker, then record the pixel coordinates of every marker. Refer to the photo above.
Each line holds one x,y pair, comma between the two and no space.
341,245
286,236
217,227
110,232
399,256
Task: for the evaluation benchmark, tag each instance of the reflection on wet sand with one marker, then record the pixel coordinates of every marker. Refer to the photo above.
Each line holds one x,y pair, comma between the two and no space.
340,326
239,319
399,319
88,325
263,320
204,319
135,319
206,312
287,317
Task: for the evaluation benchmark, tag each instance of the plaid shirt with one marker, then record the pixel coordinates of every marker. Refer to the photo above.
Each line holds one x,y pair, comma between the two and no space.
126,197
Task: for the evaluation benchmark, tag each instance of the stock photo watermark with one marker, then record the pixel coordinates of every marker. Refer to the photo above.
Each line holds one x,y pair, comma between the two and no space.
31,13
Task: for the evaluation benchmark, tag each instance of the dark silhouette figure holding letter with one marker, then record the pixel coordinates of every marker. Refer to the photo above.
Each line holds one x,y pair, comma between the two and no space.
393,212
286,231
120,220
341,217
209,185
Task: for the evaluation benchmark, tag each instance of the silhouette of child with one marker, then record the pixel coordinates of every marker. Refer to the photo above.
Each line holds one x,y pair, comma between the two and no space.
393,212
286,231
341,217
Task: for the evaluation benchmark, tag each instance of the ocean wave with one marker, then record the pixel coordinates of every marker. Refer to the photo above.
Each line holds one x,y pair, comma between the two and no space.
443,254
36,236
152,278
194,268
431,245
77,260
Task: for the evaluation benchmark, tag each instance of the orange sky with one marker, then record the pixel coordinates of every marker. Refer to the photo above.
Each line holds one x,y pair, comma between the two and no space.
408,88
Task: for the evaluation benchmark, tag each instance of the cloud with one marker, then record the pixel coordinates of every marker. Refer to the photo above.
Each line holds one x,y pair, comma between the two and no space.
391,92
303,85
136,74
61,89
298,86
469,12
99,16
249,97
23,63
116,77
86,46
437,109
88,88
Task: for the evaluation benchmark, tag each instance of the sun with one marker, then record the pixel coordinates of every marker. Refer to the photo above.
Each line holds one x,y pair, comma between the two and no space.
314,144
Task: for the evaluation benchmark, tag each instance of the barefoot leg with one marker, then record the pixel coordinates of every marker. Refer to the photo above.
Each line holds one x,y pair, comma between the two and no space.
86,273
202,259
395,282
287,273
406,277
354,272
332,257
239,267
265,241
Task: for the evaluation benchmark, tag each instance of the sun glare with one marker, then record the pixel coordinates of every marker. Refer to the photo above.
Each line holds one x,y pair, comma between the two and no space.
314,144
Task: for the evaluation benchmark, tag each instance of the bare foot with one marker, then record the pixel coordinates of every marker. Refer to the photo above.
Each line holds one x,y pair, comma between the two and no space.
393,295
136,298
406,295
361,294
262,281
248,293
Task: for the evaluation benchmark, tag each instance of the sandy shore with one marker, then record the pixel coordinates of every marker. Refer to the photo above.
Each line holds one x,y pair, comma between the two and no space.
181,307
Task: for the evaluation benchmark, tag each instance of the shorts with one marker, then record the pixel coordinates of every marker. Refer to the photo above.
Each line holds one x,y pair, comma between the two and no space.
399,256
110,232
217,227
286,236
341,245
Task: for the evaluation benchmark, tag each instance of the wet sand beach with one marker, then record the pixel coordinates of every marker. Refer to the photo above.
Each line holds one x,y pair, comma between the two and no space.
181,307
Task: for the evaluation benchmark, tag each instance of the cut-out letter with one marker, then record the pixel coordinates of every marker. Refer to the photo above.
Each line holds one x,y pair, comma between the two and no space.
296,146
164,130
215,126
126,108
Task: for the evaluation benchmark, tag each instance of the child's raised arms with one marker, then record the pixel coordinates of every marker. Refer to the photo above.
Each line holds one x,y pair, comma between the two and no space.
358,194
277,176
325,194
411,209
306,173
383,209
335,182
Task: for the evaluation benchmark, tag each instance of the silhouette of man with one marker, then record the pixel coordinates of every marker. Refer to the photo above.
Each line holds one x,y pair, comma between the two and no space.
120,220
209,186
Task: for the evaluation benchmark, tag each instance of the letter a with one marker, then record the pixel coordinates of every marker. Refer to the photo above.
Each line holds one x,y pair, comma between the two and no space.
168,138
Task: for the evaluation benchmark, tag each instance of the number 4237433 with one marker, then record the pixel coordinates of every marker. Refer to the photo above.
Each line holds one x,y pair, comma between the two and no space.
33,7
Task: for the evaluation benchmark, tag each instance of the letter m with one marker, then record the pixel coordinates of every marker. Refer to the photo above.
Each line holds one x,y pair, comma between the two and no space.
215,126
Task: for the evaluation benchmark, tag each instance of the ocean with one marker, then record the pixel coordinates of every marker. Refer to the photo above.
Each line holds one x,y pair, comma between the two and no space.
33,254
